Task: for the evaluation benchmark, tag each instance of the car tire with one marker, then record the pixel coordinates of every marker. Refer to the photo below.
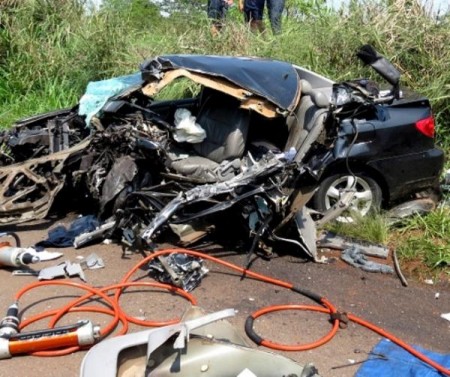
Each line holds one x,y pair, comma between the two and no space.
368,194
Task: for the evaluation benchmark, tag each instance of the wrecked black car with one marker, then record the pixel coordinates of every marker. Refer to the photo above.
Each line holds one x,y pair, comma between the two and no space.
251,144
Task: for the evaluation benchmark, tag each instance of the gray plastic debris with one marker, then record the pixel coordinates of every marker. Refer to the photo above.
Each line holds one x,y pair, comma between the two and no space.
92,262
356,257
95,235
334,241
62,270
69,269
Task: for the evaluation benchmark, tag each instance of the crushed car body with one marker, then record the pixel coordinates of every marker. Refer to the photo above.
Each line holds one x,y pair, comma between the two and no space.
244,153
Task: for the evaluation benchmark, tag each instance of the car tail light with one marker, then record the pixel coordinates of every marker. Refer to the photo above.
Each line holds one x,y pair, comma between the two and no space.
426,126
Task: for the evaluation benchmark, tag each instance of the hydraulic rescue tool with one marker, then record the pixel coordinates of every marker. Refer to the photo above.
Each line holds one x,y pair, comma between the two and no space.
14,256
13,343
83,333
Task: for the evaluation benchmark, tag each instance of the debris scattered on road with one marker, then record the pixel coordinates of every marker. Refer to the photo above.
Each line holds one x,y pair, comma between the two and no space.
60,236
69,269
334,241
65,269
92,262
357,258
184,270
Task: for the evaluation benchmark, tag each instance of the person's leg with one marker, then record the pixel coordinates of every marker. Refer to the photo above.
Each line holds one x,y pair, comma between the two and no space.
275,8
253,12
216,12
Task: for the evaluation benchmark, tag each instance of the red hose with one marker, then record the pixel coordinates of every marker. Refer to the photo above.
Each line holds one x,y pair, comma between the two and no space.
119,315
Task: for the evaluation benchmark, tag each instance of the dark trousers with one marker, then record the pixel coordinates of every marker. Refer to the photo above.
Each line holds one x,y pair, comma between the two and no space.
275,8
217,9
253,10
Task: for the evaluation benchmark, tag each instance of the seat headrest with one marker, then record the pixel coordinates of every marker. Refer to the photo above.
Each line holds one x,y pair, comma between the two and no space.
305,87
320,99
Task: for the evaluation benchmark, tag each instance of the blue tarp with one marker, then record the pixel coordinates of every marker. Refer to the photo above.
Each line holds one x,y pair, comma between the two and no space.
99,92
400,363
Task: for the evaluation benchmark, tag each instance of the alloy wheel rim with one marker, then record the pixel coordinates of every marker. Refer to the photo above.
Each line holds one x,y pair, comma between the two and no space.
361,203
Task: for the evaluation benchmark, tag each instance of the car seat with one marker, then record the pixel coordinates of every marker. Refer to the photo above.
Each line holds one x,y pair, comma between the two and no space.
307,121
217,157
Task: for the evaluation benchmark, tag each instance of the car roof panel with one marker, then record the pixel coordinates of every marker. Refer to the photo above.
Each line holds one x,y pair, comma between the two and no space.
274,80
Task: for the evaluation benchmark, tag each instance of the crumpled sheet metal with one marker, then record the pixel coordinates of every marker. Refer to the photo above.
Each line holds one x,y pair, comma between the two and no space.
28,189
121,174
250,74
189,270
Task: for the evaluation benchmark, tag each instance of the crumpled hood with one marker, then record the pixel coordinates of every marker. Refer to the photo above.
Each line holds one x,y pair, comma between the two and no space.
276,81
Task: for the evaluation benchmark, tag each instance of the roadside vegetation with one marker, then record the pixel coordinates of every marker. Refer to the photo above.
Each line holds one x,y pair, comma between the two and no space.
50,50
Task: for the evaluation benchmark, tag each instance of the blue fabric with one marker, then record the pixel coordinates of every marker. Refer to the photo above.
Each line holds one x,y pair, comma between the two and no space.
99,92
400,363
62,237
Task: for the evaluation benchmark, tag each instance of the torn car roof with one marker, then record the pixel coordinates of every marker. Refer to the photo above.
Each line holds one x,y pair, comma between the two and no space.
274,80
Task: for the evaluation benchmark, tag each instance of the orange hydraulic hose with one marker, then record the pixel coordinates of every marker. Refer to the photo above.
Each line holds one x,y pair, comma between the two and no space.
326,307
171,288
284,347
94,291
117,312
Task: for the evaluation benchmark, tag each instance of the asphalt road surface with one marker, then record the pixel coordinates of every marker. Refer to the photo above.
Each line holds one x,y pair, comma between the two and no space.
412,313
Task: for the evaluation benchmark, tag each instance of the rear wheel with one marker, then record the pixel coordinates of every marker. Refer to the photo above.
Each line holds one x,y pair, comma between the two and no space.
367,198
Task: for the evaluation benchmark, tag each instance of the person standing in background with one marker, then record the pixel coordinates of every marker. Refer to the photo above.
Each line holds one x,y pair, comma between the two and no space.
253,13
275,9
217,11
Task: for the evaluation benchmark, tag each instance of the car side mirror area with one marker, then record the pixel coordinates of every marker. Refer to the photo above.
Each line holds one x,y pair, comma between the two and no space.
380,64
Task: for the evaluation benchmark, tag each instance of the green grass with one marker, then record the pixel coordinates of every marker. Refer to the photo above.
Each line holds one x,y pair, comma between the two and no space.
427,238
422,241
372,228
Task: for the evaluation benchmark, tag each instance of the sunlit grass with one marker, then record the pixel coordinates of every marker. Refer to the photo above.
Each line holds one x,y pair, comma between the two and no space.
427,238
373,228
